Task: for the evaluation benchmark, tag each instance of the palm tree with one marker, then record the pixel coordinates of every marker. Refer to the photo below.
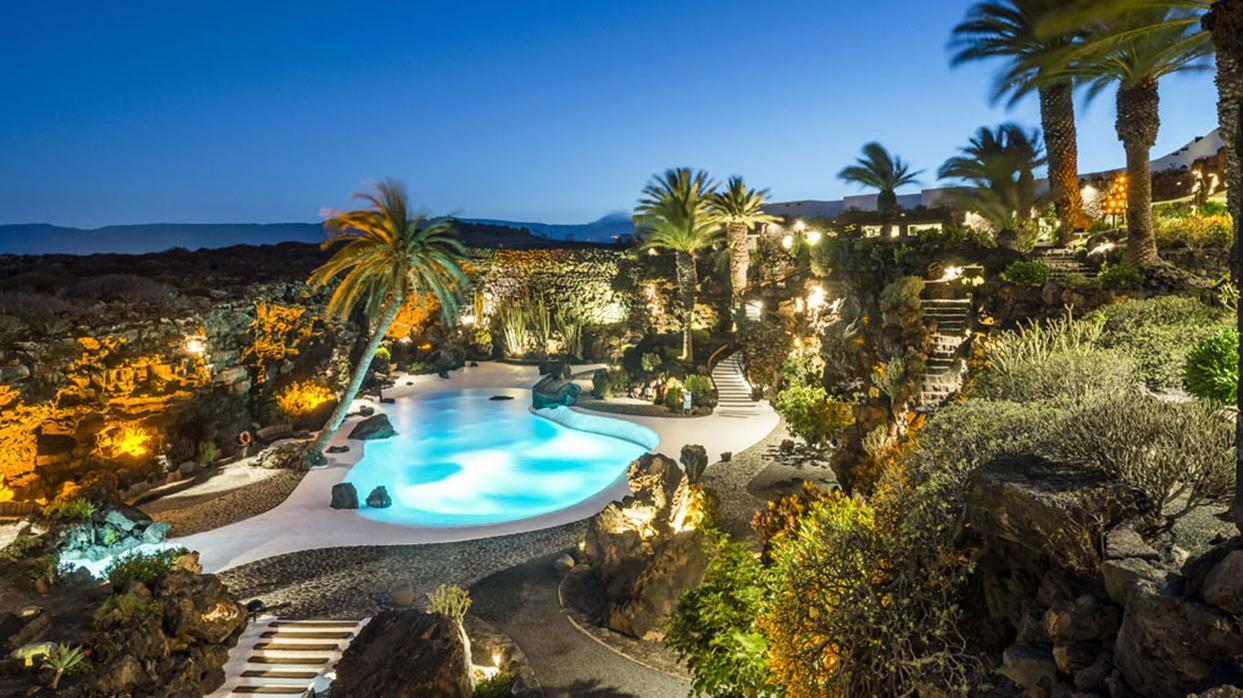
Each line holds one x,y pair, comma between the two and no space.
884,172
1007,29
1134,51
1224,20
1000,167
738,209
390,255
675,213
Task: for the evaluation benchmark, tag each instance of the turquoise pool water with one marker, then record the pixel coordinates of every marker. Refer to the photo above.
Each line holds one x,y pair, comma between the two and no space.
463,459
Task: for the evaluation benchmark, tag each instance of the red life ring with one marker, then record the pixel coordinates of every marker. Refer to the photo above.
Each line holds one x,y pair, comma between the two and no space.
244,438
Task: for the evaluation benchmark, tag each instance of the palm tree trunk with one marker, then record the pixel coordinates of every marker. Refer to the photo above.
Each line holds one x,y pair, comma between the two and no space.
1137,124
686,289
1225,21
360,372
739,260
1057,117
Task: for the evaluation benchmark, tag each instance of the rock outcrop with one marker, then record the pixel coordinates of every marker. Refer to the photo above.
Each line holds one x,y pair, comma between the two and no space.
372,428
405,654
640,552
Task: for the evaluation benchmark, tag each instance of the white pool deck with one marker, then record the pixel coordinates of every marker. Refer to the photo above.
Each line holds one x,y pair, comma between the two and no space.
304,520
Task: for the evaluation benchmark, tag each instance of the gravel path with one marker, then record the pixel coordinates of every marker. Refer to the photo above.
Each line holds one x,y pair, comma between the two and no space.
355,581
191,513
730,481
522,603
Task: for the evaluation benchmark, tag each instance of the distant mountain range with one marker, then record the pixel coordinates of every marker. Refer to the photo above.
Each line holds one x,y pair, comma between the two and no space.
41,238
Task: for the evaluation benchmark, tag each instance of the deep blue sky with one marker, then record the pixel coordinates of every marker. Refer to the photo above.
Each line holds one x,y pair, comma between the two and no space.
135,111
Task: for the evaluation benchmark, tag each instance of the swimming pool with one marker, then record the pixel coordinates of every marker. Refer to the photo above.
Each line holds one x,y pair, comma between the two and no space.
461,458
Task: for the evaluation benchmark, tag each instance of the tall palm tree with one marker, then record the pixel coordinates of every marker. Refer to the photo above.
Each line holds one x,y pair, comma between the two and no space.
675,213
1007,29
885,173
740,208
1000,167
1134,51
390,255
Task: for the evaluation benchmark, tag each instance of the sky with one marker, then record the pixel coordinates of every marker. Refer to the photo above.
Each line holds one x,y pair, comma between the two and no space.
541,110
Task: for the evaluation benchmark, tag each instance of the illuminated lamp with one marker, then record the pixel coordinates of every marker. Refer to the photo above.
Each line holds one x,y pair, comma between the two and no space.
799,225
196,344
787,242
813,236
951,274
815,297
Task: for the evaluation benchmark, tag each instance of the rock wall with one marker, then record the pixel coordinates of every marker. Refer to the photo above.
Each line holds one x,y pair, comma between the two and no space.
604,281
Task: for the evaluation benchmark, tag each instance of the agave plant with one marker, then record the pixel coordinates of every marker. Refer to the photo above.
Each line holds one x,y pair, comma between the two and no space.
61,661
515,332
570,325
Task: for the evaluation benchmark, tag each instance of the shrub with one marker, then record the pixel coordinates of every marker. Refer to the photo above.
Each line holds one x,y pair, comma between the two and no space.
450,600
1120,276
61,661
673,398
481,341
142,567
1038,342
206,452
1178,455
1212,367
118,609
76,509
803,366
701,389
1073,375
813,415
1025,273
901,294
713,628
782,517
498,685
1158,332
1194,231
303,397
514,331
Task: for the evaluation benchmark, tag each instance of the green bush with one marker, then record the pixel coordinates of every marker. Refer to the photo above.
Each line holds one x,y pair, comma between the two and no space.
813,415
1068,375
76,509
901,294
481,341
142,567
713,628
803,366
1180,455
118,609
701,389
1212,367
673,399
1158,332
206,452
1120,276
1024,273
1037,342
498,685
1194,231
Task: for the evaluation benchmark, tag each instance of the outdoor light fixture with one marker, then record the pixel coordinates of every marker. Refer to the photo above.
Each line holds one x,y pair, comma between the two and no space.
813,236
787,241
952,274
815,297
799,226
1102,248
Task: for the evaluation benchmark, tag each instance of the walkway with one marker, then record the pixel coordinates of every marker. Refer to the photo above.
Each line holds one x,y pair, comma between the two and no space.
286,657
733,390
522,602
305,522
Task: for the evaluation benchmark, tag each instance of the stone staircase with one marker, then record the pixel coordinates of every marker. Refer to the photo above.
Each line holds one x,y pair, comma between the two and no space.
733,390
1062,263
943,376
275,656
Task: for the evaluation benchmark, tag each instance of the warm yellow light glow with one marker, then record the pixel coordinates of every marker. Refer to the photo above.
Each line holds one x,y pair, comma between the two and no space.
468,319
1102,248
787,241
129,440
813,236
815,297
952,274
196,344
298,399
651,252
799,226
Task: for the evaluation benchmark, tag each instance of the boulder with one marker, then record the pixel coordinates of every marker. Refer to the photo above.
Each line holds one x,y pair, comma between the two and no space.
1124,542
374,427
1031,667
379,499
563,563
402,595
338,448
344,496
1223,585
654,592
405,654
1168,643
1084,619
285,455
199,607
